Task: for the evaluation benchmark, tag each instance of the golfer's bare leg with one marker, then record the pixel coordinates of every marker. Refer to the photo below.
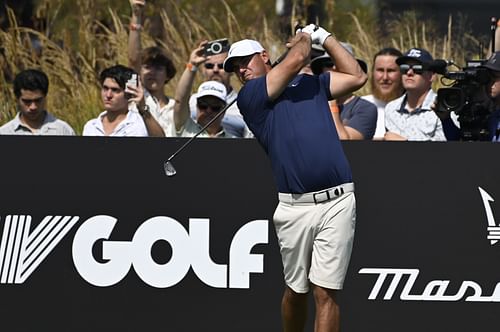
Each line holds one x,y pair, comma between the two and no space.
327,310
293,311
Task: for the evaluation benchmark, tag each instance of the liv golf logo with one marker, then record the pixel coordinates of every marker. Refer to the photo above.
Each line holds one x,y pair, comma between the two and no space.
22,250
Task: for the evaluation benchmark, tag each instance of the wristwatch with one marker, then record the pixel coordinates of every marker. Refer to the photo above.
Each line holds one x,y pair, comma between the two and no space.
144,110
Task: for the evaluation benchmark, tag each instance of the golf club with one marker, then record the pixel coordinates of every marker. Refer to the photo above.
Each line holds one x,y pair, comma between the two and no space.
168,166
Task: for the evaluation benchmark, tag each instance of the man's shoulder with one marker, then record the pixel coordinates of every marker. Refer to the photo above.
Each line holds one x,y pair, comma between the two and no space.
58,122
93,122
252,89
395,104
366,104
370,98
9,127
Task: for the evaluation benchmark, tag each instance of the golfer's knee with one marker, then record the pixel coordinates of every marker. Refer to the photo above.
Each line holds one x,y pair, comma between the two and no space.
293,297
324,295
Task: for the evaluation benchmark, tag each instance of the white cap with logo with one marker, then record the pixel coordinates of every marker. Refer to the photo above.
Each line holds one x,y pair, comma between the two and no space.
239,49
212,88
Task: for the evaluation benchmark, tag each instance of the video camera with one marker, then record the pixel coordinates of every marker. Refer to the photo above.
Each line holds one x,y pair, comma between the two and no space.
468,98
467,95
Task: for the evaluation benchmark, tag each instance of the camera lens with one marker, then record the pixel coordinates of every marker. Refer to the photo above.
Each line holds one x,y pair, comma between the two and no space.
452,100
216,48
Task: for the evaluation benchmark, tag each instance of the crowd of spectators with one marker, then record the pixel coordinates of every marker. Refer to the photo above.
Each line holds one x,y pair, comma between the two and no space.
401,106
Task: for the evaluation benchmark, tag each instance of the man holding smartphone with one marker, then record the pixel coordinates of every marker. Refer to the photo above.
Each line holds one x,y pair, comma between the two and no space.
155,69
117,120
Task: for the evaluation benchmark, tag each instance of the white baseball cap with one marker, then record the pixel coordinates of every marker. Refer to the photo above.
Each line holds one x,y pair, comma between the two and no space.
212,88
239,49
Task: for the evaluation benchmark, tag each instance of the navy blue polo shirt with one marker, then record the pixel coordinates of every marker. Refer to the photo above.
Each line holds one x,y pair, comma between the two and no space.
297,132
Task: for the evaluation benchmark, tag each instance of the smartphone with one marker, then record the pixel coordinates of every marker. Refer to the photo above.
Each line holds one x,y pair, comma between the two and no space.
133,83
216,46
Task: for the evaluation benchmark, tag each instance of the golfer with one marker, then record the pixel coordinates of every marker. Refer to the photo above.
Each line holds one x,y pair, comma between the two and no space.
289,114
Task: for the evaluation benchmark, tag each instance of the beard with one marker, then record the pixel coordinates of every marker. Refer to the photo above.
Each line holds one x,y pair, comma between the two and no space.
396,91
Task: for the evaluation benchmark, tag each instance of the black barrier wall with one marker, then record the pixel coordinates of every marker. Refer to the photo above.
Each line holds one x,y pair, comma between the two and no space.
94,237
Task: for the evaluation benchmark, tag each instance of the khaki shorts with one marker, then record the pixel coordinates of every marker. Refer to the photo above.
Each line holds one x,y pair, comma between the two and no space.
315,241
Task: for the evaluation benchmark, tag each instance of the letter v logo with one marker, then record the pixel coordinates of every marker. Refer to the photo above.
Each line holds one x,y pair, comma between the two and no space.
21,252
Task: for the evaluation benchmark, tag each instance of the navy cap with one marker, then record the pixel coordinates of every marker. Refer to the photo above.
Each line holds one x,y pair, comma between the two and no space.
416,54
493,62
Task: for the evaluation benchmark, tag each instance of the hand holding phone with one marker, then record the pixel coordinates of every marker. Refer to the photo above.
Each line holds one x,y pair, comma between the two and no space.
133,83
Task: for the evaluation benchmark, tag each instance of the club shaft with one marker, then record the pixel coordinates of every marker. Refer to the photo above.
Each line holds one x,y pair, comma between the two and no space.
218,115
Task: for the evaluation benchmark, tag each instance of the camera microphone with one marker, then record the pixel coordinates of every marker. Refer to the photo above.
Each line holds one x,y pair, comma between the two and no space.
439,66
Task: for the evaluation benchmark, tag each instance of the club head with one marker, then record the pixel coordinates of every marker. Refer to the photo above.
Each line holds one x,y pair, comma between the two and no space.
169,168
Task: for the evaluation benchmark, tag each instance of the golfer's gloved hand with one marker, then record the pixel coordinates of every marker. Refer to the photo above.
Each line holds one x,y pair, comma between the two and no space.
308,29
319,35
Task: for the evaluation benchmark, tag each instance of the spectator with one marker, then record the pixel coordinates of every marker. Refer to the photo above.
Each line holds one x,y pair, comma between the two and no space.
493,66
355,118
210,100
212,70
486,125
410,117
156,69
30,88
117,120
385,84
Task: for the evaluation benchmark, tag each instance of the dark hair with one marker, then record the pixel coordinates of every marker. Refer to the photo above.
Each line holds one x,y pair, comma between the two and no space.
31,79
119,73
388,51
155,56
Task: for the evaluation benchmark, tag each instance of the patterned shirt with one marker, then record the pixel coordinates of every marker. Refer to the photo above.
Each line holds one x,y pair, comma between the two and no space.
422,124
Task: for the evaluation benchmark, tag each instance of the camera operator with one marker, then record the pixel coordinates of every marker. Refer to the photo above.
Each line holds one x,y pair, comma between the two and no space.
493,88
491,121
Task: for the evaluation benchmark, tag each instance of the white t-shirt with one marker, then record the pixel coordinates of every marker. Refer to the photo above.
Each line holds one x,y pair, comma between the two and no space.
380,129
163,115
132,125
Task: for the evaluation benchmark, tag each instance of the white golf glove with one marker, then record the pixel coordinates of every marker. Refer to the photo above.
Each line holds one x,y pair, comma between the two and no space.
319,35
308,29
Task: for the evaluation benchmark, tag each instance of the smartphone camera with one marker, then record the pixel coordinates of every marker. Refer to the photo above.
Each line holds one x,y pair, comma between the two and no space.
133,83
216,47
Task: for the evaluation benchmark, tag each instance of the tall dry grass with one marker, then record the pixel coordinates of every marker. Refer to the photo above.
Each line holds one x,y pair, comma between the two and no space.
73,60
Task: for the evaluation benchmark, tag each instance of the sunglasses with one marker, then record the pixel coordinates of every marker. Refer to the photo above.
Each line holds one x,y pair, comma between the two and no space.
417,69
212,65
203,105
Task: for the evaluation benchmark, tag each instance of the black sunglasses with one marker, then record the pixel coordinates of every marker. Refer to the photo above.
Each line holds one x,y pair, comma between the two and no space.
212,65
203,105
417,69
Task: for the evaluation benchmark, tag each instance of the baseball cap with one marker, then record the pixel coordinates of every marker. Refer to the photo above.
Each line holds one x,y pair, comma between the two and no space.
239,49
493,62
416,54
324,59
212,88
